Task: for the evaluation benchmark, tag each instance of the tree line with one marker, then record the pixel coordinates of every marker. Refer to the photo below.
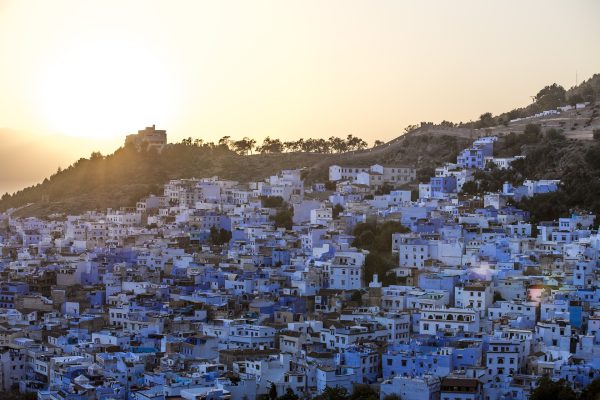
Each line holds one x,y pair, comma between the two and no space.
548,98
248,145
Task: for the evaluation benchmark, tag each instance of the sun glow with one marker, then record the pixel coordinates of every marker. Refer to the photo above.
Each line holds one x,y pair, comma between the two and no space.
105,88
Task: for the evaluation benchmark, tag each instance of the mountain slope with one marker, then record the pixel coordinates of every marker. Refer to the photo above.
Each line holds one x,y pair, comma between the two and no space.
123,177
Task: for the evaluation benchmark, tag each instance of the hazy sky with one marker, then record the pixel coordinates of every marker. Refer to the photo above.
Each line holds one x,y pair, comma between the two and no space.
101,69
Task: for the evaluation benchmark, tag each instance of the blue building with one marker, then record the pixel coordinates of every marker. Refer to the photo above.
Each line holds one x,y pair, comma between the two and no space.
442,185
9,290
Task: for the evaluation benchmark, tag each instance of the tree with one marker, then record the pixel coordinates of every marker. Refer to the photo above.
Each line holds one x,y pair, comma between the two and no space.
333,393
377,238
224,236
531,134
337,144
219,237
386,188
591,391
355,143
574,99
15,395
486,120
532,129
548,389
224,142
273,392
214,235
283,218
329,185
356,296
378,143
243,146
470,188
424,174
555,135
337,209
550,97
272,201
289,395
291,146
363,392
270,146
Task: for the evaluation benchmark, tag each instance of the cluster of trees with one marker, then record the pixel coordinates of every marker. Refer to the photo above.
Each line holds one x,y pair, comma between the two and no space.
377,238
219,237
284,215
16,395
548,98
548,389
272,201
336,211
360,392
247,145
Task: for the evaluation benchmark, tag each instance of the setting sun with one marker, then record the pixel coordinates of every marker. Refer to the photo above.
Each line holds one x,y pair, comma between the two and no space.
105,87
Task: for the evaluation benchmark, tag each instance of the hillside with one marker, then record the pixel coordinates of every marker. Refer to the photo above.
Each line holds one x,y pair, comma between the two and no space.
561,148
123,177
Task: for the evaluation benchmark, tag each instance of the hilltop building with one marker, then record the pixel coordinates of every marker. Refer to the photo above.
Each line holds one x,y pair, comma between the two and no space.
147,138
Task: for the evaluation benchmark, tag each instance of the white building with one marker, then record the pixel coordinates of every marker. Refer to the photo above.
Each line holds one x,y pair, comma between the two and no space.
321,216
412,252
448,319
375,175
346,271
425,387
476,296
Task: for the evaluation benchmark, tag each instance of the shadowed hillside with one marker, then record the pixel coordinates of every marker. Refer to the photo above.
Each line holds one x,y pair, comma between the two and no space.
121,178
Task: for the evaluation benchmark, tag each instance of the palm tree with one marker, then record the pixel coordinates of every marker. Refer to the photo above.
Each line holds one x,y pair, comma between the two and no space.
243,146
250,143
224,141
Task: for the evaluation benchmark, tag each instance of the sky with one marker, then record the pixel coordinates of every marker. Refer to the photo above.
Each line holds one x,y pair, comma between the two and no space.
82,74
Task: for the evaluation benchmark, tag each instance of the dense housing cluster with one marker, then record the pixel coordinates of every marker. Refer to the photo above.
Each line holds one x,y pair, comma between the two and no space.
216,289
